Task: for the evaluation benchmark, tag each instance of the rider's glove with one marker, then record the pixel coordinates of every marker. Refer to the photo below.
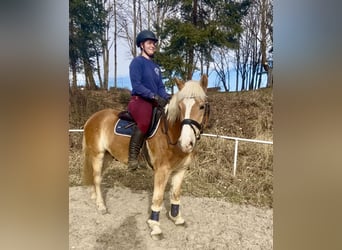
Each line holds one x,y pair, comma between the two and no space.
160,101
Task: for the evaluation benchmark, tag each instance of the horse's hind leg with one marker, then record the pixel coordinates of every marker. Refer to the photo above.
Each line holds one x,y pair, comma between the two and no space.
97,162
176,182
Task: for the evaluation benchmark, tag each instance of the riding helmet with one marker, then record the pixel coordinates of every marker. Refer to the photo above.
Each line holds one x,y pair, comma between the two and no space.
145,35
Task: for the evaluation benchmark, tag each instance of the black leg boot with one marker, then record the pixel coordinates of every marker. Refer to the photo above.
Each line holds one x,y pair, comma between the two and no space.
137,140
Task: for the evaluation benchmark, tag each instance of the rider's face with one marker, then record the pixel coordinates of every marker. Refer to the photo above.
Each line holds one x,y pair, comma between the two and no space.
149,47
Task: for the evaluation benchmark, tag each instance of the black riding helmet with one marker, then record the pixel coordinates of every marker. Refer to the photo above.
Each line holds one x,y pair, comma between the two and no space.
145,35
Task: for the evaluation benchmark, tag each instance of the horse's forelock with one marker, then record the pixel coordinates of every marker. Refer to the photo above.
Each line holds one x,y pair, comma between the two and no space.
191,89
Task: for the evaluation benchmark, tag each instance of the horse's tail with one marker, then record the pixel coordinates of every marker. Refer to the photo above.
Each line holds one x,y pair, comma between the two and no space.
87,175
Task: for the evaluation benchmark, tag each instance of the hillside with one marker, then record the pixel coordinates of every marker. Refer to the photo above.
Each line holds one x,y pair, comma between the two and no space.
240,114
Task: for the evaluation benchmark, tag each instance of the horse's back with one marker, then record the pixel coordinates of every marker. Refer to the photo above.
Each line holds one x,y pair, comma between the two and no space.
100,119
100,115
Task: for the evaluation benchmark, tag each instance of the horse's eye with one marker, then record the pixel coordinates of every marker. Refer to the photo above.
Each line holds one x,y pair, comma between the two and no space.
202,107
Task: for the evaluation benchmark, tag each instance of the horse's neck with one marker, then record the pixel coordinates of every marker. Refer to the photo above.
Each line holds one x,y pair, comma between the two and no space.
174,130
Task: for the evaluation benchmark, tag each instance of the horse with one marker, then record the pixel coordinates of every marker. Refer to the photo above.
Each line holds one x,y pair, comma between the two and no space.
169,151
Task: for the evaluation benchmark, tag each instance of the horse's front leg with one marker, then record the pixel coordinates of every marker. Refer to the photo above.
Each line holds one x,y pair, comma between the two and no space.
161,176
174,213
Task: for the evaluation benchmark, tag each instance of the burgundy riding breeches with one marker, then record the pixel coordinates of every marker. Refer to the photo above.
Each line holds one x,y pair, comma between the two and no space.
141,111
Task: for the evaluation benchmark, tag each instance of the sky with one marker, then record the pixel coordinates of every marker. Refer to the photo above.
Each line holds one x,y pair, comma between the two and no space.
123,60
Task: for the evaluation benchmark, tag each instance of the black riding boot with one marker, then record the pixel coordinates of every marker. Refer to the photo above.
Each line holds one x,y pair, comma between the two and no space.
135,144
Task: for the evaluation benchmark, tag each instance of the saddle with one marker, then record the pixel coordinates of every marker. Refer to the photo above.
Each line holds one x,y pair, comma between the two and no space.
124,126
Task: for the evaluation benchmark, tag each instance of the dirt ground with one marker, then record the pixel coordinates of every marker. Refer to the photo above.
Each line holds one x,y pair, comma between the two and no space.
210,223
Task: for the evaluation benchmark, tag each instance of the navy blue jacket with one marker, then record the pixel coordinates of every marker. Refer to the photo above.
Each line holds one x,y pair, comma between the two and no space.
146,78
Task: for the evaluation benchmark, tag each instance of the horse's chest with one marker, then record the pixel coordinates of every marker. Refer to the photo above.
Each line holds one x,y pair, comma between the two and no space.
173,160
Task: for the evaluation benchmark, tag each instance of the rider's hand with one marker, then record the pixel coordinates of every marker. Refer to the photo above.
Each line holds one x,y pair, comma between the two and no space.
160,101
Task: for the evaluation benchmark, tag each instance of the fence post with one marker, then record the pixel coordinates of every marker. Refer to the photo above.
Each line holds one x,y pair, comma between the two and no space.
235,156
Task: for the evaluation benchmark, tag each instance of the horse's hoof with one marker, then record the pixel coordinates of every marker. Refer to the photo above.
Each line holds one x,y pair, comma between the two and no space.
178,220
156,232
102,209
157,237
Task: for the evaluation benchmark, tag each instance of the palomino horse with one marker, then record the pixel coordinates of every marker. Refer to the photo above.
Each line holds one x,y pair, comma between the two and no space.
169,151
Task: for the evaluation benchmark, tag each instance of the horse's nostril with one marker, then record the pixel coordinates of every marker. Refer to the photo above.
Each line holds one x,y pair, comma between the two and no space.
191,143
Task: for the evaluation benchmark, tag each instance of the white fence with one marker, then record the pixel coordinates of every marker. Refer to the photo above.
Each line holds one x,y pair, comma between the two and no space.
236,139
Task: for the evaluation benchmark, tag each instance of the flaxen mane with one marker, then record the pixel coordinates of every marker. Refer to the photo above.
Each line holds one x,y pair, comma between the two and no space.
191,89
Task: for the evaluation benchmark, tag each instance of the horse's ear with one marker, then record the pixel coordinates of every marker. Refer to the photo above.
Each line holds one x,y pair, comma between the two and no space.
204,82
180,83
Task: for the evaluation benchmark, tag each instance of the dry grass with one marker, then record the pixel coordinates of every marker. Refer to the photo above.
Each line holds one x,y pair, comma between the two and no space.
244,114
213,172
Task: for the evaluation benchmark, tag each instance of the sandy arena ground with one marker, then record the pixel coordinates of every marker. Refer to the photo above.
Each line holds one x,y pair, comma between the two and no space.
210,223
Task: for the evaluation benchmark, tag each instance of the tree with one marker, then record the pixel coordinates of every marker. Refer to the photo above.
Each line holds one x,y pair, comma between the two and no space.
115,43
255,41
222,67
106,44
74,52
199,28
86,27
193,35
266,30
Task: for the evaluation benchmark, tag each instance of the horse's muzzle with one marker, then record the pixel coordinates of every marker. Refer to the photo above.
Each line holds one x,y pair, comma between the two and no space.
186,147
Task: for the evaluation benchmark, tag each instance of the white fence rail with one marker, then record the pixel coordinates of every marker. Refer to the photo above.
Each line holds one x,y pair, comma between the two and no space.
76,130
236,139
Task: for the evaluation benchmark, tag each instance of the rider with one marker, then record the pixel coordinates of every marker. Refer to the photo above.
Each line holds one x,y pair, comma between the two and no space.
148,91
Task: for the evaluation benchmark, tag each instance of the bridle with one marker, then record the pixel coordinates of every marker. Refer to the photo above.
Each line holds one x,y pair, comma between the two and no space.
192,123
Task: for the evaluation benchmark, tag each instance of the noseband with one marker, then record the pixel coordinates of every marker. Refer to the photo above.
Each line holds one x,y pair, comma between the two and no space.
193,123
